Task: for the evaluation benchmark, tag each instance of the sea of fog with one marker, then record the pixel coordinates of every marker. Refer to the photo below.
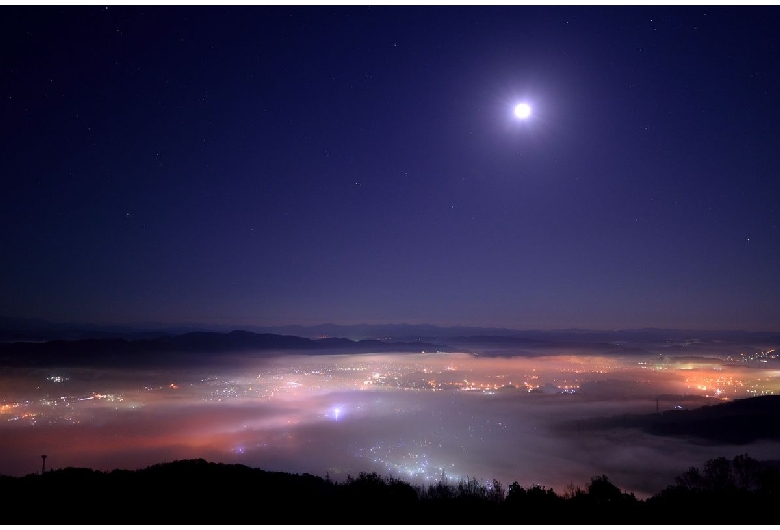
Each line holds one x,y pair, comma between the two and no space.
419,417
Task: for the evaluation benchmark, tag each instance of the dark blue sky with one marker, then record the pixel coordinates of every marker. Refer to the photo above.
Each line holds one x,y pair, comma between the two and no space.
279,165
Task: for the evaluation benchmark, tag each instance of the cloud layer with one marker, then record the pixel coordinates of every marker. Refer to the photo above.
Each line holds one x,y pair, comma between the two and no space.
418,417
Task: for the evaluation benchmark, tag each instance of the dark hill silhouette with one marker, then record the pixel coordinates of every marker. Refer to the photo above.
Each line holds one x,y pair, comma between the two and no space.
742,491
190,347
510,346
738,422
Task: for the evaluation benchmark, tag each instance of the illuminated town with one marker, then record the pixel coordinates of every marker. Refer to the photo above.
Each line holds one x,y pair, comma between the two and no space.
424,417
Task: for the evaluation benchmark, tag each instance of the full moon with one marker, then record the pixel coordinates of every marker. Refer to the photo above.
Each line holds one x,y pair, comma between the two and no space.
522,110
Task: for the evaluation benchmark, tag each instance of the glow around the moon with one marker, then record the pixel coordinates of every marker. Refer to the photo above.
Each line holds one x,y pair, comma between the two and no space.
522,110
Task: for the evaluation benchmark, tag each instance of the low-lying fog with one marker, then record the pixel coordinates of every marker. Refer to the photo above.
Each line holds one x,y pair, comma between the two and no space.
419,417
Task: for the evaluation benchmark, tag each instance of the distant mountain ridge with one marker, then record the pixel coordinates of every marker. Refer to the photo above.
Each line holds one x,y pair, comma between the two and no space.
26,329
192,347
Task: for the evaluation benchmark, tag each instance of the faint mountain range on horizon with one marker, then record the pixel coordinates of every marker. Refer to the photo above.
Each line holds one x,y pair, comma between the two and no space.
191,348
14,329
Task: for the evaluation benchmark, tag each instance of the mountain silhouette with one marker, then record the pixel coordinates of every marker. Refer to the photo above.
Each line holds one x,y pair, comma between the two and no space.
195,347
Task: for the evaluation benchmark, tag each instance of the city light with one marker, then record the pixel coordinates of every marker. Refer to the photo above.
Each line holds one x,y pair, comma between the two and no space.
413,415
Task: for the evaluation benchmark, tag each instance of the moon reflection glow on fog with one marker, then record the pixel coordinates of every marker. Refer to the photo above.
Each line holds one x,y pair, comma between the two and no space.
414,416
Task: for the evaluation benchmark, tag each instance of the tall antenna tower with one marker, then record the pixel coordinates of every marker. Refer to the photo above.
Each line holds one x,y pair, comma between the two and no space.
43,469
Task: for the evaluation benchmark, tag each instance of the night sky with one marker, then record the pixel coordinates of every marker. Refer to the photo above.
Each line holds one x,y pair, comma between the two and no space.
297,165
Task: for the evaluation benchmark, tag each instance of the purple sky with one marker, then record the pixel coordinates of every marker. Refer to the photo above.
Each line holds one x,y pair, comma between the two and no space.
278,165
